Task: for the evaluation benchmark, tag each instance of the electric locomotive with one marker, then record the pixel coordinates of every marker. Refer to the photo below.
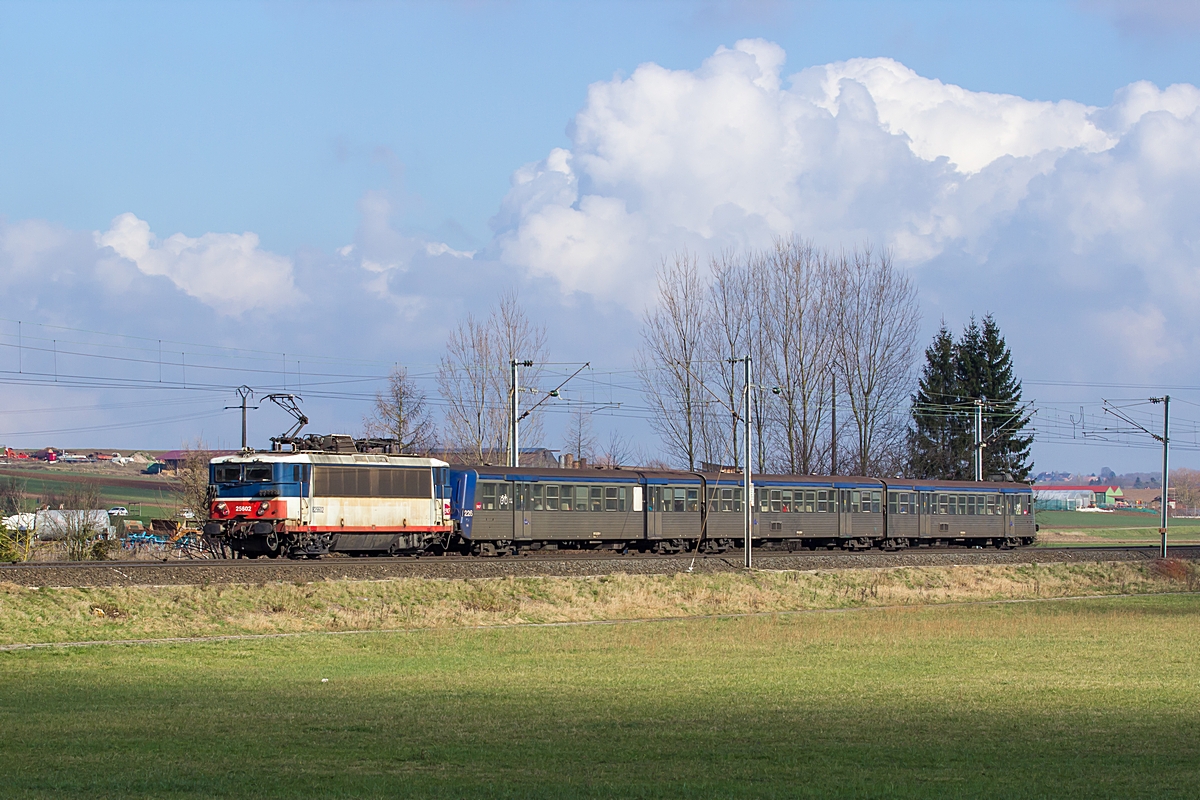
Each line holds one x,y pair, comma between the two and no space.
306,504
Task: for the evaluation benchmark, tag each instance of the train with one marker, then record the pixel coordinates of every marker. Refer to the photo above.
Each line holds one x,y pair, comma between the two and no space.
309,504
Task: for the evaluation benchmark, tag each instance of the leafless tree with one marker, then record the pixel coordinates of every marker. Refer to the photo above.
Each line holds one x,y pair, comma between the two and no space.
400,412
727,337
517,339
876,313
579,439
465,383
192,480
671,365
78,524
617,452
473,378
797,352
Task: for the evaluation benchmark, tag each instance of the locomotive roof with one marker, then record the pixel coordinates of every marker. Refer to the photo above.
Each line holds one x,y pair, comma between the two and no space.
347,459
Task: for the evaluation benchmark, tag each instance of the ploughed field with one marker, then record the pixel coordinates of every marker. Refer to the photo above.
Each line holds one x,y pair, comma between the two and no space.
1087,699
879,694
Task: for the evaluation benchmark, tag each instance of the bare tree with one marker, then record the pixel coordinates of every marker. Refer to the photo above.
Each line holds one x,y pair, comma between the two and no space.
517,339
79,522
727,337
464,381
191,480
579,438
617,452
671,365
473,378
16,542
876,313
400,412
797,350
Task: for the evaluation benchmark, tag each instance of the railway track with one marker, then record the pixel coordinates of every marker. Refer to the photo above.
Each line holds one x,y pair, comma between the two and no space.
205,571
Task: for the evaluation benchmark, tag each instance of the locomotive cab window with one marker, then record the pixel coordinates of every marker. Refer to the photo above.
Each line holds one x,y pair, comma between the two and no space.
227,473
258,472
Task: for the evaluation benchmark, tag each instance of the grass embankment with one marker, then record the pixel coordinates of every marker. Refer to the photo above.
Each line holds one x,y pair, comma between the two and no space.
58,615
1094,698
1058,528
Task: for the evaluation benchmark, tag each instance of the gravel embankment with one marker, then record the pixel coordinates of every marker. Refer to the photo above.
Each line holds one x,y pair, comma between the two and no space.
175,573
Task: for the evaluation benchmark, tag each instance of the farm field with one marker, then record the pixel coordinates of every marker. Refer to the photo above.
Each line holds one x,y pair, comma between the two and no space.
1058,528
147,497
1084,698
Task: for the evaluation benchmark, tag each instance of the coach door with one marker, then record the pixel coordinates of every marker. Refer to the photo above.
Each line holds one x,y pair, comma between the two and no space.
522,511
845,517
653,500
925,520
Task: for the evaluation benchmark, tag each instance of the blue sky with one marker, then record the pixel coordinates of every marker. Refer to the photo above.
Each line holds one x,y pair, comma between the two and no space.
293,121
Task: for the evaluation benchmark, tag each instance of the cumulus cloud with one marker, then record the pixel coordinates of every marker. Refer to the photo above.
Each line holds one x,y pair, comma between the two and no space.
974,191
228,272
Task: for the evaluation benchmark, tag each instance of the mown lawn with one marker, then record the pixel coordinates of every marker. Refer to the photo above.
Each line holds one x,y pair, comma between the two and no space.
1086,698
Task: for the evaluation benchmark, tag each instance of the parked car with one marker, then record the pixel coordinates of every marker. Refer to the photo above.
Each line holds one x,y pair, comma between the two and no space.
187,513
118,511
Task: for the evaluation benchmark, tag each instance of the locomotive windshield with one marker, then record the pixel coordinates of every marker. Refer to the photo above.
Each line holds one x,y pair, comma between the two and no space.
258,472
235,473
227,473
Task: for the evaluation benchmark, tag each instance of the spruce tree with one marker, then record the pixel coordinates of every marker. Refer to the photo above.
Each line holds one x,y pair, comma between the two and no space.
934,439
1007,450
956,374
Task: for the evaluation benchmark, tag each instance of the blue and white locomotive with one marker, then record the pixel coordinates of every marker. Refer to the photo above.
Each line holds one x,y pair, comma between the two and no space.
311,503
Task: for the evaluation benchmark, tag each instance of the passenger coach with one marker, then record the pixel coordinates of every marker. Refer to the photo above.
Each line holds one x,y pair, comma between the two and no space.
504,510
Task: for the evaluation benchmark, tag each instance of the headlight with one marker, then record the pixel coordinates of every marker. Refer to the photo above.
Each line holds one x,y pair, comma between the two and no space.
263,507
222,509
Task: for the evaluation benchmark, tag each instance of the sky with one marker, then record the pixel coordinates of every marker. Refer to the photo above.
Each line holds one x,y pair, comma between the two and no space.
297,196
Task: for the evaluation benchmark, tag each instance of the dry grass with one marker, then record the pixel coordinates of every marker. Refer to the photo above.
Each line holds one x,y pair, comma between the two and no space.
39,615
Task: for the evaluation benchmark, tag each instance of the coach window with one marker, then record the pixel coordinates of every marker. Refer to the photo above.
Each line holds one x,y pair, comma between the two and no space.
535,497
610,498
971,504
551,498
504,496
693,499
855,499
775,500
942,504
597,494
876,501
581,498
991,504
822,501
487,496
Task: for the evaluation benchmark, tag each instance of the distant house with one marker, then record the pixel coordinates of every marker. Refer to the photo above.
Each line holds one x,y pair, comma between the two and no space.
1090,496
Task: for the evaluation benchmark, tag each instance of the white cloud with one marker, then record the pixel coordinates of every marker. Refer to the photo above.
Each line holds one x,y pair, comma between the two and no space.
974,187
226,271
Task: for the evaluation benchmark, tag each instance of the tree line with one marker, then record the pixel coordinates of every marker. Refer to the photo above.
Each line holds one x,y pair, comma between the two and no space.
827,333
819,326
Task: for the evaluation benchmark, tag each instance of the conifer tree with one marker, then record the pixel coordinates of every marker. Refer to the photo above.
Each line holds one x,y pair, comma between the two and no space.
941,437
1007,450
935,437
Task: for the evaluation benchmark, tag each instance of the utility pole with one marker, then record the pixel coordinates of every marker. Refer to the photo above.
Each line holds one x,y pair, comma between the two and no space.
979,439
1166,443
833,465
749,473
514,417
243,392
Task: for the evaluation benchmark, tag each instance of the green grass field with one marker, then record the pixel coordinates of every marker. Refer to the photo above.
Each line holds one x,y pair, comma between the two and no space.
1091,698
1058,528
